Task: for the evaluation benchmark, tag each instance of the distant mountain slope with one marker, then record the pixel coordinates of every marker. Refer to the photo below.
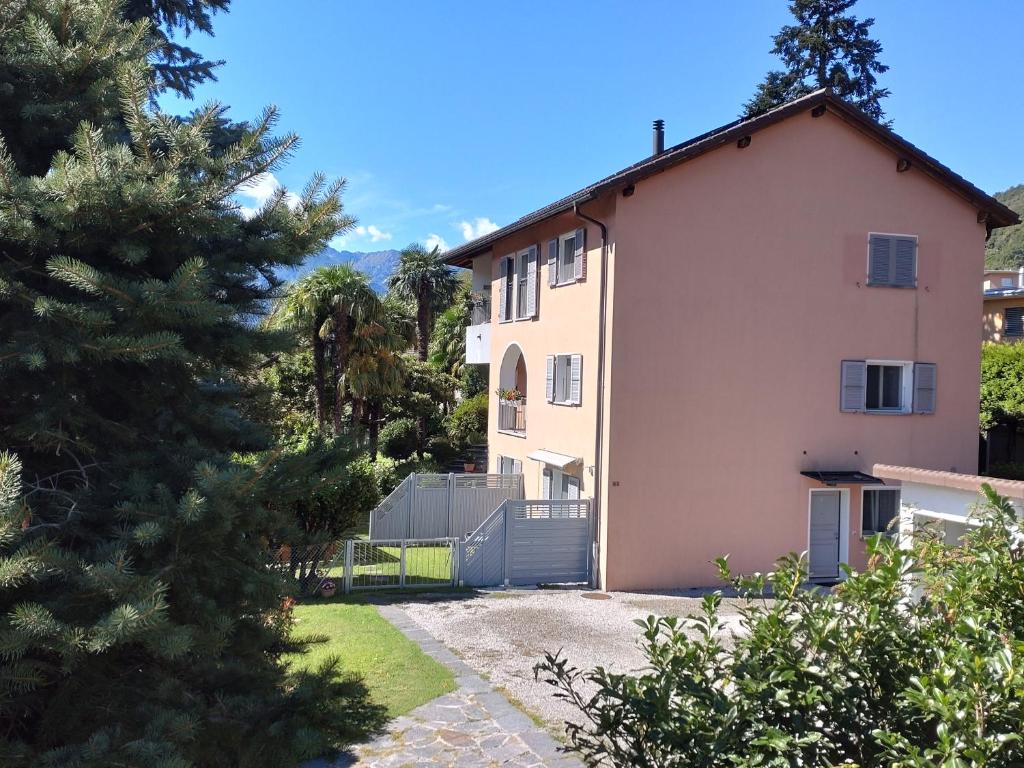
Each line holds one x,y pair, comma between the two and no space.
377,265
1006,246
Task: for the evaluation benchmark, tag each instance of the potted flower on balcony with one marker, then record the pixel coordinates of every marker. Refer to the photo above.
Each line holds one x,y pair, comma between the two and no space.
511,395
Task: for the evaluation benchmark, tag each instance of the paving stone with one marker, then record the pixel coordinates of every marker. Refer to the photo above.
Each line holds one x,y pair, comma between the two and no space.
472,727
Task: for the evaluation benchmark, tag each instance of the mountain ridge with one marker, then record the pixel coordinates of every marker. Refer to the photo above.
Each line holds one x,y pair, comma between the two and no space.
376,265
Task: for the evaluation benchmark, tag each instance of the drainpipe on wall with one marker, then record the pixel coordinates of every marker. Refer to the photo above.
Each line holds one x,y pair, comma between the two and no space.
599,428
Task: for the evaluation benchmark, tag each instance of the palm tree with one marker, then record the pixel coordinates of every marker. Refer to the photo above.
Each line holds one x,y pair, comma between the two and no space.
303,309
349,300
448,339
423,278
376,371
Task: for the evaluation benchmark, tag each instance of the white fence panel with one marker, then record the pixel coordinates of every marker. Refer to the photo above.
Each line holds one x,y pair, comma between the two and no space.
475,497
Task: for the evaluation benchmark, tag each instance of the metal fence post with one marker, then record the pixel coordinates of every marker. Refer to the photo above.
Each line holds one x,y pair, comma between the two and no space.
451,502
507,564
401,566
456,550
349,557
412,505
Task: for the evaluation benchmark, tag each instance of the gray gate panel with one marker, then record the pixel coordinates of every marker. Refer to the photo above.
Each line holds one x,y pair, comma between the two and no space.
483,553
550,541
475,497
430,507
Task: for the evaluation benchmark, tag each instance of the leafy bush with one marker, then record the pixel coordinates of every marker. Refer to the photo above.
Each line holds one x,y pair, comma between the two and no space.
1009,470
467,424
914,662
398,438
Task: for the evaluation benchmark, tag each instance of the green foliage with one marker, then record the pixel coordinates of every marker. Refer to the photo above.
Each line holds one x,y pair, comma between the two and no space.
425,281
448,339
1005,248
467,424
914,662
398,438
1002,384
139,624
827,48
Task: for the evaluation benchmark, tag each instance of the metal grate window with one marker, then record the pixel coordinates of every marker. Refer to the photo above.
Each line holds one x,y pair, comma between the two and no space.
1014,322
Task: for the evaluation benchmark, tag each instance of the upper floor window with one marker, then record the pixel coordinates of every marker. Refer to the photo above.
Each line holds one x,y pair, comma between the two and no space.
567,258
878,509
564,379
1013,322
1006,282
887,386
892,260
517,285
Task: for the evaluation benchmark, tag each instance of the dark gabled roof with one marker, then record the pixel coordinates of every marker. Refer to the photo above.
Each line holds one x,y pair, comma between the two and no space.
999,215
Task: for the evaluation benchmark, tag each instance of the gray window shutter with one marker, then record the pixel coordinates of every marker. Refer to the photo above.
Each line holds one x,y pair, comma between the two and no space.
546,485
904,262
517,467
531,282
501,464
553,262
880,248
575,378
853,386
549,382
924,387
579,261
572,487
503,277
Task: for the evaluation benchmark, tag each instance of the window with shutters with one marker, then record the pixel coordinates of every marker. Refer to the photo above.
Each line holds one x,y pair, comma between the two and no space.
522,284
559,485
564,379
1013,322
507,288
892,260
887,386
509,466
879,508
567,258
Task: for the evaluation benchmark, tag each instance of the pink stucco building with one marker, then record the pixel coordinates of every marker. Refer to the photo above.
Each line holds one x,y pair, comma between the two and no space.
718,343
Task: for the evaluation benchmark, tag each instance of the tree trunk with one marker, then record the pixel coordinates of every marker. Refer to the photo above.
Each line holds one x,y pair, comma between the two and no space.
340,350
374,428
423,345
318,378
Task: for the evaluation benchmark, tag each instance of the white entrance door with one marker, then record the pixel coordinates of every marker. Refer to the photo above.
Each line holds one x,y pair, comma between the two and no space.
824,539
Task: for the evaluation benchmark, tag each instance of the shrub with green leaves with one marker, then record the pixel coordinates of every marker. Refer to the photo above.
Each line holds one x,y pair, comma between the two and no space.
467,424
917,661
398,438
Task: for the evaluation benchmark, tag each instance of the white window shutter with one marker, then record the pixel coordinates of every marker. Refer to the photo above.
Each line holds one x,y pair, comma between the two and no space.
853,386
575,379
579,261
572,487
924,387
502,287
549,381
517,467
546,485
553,262
531,282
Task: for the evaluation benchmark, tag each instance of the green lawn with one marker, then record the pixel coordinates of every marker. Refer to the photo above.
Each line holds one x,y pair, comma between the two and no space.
398,675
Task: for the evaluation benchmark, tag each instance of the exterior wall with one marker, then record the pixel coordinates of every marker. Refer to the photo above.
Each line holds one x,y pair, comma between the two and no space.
994,279
565,324
993,318
724,390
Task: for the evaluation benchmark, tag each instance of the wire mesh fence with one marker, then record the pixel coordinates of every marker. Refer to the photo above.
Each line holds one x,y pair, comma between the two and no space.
354,564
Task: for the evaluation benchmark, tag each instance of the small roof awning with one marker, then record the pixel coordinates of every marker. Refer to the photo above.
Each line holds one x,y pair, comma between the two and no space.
842,477
559,460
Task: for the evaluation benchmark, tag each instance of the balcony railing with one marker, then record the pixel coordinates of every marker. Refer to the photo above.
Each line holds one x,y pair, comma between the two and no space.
512,415
480,312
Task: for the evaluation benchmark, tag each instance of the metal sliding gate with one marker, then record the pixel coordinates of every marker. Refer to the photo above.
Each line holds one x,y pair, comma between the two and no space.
544,541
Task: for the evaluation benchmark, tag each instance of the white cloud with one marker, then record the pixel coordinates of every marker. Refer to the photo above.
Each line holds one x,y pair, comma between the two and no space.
374,233
479,227
260,189
436,240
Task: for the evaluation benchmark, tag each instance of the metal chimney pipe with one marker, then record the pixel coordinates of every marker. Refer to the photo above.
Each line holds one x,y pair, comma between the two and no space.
659,137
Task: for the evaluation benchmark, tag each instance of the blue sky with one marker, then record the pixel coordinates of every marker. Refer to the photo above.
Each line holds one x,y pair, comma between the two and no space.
451,118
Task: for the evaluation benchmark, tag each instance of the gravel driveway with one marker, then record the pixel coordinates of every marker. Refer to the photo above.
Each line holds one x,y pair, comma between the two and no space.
503,634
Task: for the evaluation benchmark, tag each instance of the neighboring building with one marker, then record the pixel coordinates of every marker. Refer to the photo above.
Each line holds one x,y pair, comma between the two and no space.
718,343
1003,312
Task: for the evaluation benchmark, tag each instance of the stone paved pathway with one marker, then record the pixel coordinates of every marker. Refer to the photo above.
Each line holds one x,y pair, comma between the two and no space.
472,726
